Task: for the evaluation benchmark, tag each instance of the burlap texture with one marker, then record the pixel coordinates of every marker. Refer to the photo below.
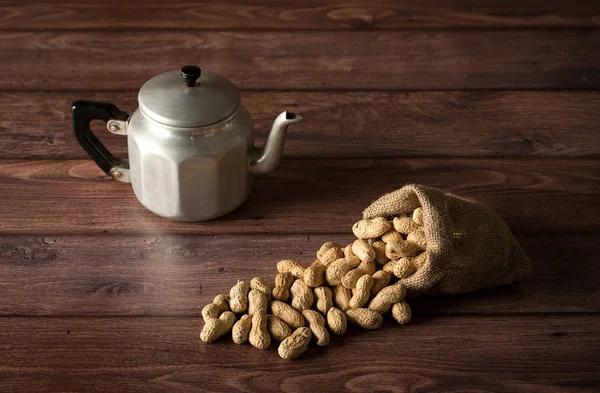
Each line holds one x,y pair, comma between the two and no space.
469,245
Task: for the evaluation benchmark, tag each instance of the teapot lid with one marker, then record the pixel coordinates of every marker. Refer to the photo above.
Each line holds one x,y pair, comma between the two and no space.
189,98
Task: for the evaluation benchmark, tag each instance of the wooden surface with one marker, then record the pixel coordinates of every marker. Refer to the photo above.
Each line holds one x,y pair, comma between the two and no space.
489,99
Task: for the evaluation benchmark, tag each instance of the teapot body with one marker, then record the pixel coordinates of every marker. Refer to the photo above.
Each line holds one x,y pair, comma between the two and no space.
190,174
190,144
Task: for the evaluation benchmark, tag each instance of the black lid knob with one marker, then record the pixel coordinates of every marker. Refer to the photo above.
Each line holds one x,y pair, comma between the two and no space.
190,74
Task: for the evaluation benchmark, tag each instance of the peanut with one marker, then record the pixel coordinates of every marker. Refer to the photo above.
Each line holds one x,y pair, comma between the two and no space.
316,323
257,300
363,290
328,253
287,265
287,314
216,327
381,279
331,256
238,301
326,247
371,228
296,344
259,336
278,329
417,216
382,302
336,320
222,301
324,298
401,312
241,329
403,268
419,260
261,284
365,267
379,248
314,275
392,236
389,267
341,297
397,250
400,268
339,268
418,238
283,282
211,310
392,249
365,318
363,250
214,309
348,251
404,225
302,296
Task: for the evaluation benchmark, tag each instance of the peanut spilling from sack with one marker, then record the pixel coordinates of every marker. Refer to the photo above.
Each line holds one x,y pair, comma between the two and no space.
359,283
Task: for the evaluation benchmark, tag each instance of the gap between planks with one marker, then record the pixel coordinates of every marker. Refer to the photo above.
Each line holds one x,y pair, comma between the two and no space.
300,15
420,315
300,30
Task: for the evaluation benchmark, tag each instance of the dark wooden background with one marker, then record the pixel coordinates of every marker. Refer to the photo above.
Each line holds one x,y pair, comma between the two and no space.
495,100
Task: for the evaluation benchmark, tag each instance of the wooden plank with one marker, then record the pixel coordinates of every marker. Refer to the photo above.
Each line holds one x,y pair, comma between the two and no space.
414,60
303,196
296,14
525,354
175,275
349,124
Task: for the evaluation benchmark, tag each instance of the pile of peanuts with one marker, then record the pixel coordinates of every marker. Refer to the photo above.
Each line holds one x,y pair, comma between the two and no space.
358,283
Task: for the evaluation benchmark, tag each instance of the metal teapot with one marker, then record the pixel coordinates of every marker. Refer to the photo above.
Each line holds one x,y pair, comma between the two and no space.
190,144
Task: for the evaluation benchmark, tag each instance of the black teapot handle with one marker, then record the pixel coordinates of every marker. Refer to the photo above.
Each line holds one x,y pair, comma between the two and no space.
83,113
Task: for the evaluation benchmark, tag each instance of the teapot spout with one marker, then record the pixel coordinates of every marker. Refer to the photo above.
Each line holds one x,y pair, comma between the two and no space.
265,159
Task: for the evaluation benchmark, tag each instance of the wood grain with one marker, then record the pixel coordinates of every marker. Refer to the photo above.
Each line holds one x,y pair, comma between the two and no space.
97,294
296,14
349,124
414,60
303,196
175,275
525,354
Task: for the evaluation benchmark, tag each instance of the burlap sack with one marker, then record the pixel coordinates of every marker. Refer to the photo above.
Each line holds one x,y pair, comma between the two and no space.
469,246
